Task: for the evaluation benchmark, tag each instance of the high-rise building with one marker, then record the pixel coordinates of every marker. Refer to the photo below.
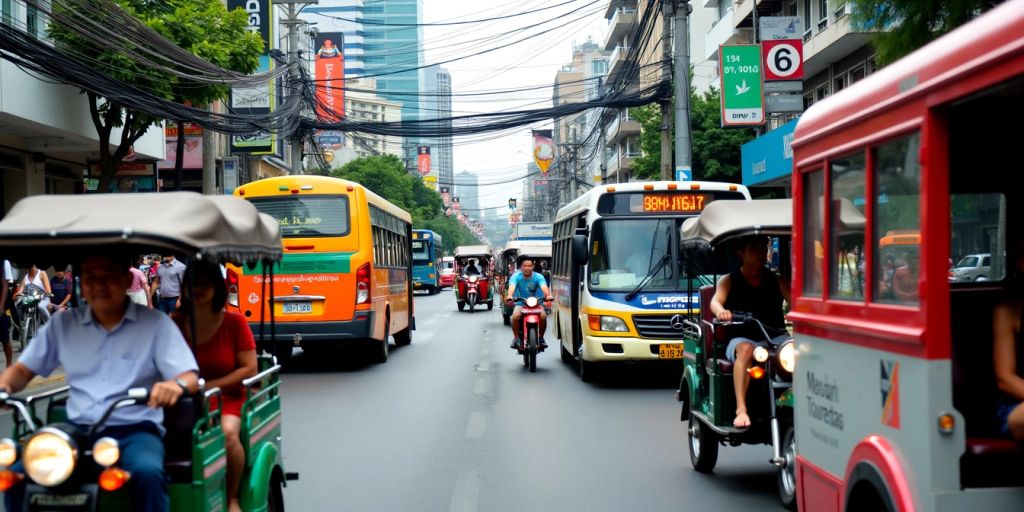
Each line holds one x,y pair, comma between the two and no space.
578,136
394,51
437,104
467,190
343,16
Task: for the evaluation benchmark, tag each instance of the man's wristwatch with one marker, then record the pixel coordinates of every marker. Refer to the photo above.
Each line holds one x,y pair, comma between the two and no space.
184,386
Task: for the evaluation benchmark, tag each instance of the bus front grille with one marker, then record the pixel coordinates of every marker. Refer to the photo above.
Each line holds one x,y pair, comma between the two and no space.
657,326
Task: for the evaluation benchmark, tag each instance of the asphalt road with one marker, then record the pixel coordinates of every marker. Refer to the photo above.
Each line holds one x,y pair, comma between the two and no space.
453,422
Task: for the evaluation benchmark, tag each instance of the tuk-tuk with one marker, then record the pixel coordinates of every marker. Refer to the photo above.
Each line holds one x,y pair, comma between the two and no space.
81,469
474,278
706,389
508,265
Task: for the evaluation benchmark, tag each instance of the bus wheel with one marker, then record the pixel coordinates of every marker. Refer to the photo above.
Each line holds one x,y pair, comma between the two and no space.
275,496
566,356
787,473
703,446
380,355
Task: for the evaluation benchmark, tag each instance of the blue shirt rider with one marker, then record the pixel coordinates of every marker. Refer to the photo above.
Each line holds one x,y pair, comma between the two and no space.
523,284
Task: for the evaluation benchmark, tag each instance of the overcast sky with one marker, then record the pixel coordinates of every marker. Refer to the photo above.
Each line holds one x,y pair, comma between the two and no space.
533,62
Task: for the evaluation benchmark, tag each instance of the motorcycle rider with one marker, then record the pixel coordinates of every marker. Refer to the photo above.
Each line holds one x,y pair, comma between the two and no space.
107,347
754,289
37,278
523,284
471,269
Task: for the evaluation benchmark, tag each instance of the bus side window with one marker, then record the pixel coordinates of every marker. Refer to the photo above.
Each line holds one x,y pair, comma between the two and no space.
847,229
814,229
897,214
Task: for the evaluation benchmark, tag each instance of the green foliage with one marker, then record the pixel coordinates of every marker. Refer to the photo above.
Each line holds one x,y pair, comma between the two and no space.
911,24
715,150
385,175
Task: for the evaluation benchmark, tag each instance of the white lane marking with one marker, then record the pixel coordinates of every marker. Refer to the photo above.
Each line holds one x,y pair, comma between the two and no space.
466,493
477,425
483,366
482,384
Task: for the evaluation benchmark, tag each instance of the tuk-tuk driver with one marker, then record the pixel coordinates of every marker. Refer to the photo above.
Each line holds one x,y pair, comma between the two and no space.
523,284
106,348
471,269
757,290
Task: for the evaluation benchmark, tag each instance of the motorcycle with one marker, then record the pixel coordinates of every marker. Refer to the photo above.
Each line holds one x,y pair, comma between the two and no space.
28,313
529,344
472,291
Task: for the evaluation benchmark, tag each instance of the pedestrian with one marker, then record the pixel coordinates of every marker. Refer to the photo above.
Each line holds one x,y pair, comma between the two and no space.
169,278
139,290
60,286
6,282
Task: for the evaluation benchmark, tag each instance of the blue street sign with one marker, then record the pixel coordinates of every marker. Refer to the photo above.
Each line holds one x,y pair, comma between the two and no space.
684,174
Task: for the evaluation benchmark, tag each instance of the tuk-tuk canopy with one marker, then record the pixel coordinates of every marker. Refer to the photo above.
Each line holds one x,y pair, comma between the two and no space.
221,228
725,220
477,251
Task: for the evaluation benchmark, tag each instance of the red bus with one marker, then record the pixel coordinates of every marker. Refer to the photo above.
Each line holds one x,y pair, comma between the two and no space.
896,401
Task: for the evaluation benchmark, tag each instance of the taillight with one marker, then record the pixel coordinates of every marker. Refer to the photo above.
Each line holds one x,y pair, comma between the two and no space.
232,282
363,284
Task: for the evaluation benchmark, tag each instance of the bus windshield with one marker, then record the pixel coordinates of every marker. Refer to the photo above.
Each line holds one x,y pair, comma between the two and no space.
624,251
420,252
307,216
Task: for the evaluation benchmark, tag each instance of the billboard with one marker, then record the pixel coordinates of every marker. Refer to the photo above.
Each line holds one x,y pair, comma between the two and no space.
423,159
330,76
193,158
533,231
259,99
543,149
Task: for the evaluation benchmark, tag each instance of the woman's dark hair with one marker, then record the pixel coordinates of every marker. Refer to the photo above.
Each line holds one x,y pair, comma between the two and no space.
205,273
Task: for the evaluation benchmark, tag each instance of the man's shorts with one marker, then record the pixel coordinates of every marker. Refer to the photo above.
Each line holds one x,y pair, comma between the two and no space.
1003,413
730,350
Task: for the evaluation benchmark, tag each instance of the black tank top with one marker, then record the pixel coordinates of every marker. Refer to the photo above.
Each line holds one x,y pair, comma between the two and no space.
764,301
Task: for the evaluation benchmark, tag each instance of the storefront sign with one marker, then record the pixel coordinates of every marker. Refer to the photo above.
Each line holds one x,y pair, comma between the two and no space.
768,157
259,99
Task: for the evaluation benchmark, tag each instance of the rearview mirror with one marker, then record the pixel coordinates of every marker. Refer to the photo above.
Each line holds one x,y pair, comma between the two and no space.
579,250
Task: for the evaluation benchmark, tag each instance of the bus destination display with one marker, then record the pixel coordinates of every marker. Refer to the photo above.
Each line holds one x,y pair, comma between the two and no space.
667,203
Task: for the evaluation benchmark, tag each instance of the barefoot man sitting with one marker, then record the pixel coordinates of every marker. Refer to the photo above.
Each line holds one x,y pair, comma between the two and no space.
757,290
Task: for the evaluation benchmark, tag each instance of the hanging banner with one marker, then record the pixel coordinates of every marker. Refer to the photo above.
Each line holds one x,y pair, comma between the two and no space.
446,197
330,76
193,158
423,160
543,149
259,99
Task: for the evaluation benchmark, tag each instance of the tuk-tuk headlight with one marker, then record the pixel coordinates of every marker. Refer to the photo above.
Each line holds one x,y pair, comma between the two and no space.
50,457
106,451
8,453
787,356
760,354
473,279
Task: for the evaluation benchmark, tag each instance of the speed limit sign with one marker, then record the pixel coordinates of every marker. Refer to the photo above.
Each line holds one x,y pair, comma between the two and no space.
783,59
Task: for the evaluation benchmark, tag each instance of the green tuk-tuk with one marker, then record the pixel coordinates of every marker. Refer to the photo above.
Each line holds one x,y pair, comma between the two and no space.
508,264
706,389
81,469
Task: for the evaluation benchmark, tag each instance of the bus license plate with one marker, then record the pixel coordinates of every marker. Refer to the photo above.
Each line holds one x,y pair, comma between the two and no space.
298,307
670,351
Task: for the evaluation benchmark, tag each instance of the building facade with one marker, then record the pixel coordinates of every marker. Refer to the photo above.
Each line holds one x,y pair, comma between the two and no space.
363,105
437,104
468,191
577,137
394,51
345,16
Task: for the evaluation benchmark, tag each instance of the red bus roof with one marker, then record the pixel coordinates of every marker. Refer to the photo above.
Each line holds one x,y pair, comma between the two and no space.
985,41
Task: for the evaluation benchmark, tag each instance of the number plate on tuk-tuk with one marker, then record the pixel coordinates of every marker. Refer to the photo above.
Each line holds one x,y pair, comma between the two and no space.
297,307
670,351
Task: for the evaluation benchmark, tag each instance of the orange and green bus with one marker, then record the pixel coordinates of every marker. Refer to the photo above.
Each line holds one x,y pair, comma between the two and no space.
346,275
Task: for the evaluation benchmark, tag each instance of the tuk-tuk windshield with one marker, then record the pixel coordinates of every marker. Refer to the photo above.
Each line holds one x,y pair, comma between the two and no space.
625,251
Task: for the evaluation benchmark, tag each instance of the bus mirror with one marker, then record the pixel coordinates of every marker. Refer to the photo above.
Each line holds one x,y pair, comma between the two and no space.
579,249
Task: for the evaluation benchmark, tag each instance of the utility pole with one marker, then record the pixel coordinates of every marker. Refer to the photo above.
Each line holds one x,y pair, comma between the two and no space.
666,104
684,153
295,84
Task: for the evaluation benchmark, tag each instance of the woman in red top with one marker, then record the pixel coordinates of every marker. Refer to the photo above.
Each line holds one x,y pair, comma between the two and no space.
226,353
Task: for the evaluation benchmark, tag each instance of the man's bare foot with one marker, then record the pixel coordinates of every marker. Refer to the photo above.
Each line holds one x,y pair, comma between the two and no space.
741,421
233,505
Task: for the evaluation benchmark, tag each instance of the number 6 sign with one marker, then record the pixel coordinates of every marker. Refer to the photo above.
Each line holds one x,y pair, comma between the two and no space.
783,59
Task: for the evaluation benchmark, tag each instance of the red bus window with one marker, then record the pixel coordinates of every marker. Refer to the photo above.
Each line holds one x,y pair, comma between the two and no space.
897,221
846,265
814,232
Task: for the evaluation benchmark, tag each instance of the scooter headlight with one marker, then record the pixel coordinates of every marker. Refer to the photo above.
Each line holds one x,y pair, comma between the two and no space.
473,279
106,451
787,356
8,453
760,354
50,457
531,302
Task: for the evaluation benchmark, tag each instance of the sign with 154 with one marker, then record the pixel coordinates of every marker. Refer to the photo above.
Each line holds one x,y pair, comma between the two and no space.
741,89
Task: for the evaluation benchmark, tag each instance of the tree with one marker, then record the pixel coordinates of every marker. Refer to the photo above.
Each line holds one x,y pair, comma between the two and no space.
203,27
385,175
715,150
910,24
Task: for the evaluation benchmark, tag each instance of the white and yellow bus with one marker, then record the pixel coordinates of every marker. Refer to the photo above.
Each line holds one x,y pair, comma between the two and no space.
346,275
618,281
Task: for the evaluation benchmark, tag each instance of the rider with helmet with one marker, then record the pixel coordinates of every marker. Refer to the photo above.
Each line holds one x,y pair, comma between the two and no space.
523,284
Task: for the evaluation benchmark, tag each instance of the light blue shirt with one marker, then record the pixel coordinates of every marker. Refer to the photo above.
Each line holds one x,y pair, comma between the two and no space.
144,348
528,286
